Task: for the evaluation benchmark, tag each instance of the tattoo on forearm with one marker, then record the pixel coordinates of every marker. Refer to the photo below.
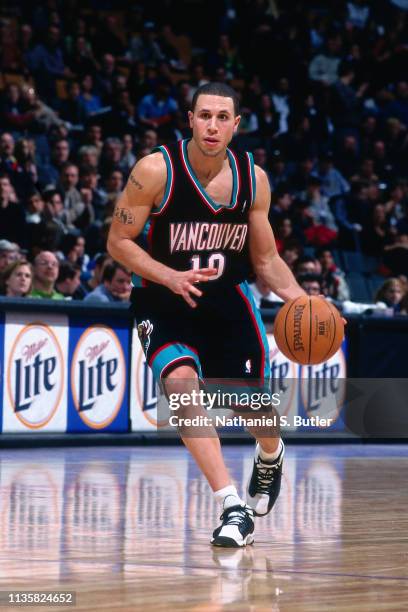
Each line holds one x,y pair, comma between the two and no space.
135,182
123,215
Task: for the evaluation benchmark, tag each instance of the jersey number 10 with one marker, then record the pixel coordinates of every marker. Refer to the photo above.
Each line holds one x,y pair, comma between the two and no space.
215,260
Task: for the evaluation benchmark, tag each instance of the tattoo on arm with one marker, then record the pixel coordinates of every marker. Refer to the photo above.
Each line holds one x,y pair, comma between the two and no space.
124,215
135,182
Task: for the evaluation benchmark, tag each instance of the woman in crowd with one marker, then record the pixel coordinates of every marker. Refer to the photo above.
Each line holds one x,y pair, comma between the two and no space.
17,279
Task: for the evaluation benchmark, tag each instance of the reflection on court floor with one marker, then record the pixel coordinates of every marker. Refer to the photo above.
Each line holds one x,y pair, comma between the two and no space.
129,529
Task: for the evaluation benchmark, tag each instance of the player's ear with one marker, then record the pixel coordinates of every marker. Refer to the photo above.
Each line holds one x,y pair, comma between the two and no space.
236,124
190,118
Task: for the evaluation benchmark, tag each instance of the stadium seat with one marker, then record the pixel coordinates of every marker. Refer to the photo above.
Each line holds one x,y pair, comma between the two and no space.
359,288
352,261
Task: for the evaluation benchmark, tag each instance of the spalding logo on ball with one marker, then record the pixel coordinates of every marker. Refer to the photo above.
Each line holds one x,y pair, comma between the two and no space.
308,330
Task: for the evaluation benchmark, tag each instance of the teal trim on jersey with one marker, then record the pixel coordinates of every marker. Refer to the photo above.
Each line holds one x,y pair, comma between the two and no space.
253,179
246,290
169,179
142,241
205,195
172,353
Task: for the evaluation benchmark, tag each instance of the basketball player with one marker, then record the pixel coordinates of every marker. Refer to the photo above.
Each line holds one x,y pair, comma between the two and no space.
192,222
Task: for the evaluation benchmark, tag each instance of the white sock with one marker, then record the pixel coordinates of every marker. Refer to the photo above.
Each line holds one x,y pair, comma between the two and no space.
268,456
227,497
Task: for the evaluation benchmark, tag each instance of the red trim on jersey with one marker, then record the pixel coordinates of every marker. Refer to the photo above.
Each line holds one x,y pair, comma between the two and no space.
258,332
251,187
196,187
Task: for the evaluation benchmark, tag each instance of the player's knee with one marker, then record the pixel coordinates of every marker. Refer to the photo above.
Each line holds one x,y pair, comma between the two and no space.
183,372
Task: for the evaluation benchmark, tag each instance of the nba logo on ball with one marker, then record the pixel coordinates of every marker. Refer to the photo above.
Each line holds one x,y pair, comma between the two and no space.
35,377
98,376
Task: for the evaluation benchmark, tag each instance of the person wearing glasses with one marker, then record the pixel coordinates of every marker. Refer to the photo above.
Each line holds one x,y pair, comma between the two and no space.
46,269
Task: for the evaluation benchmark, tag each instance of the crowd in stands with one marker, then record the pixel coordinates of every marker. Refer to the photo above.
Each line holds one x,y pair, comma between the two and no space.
88,88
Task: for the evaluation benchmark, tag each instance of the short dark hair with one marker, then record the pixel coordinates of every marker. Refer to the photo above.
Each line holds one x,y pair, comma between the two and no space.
309,278
217,89
67,270
110,270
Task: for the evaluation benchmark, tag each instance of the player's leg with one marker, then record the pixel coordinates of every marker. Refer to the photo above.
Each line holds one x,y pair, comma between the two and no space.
246,357
204,445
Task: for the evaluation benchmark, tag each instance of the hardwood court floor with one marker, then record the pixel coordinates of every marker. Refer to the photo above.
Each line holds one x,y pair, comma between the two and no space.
128,529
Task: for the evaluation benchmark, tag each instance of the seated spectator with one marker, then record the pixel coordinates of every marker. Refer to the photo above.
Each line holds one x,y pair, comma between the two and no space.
311,283
9,253
291,253
395,255
17,279
13,225
332,182
110,156
88,157
333,280
376,231
46,269
391,294
68,282
157,110
91,102
307,265
78,213
149,140
73,109
128,157
93,137
404,304
113,189
316,216
97,267
49,173
281,202
263,296
115,286
323,67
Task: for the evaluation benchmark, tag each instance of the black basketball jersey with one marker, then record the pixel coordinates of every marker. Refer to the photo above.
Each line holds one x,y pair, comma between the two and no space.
190,231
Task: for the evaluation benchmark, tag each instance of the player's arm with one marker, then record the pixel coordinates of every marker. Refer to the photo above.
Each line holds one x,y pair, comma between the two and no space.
266,261
143,191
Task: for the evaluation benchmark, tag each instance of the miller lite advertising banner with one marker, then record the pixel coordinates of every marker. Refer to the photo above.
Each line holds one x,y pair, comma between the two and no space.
98,362
35,373
312,397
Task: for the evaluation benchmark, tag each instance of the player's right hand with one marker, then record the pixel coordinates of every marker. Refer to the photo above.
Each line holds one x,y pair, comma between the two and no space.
183,283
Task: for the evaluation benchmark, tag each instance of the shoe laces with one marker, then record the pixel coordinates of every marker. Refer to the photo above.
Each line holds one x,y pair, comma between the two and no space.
265,475
236,515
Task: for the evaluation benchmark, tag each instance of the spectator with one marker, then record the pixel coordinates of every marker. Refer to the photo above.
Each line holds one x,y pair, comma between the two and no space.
281,103
128,157
73,109
157,110
396,255
17,279
280,204
333,280
90,101
263,296
316,216
9,253
97,266
307,265
12,216
115,286
78,214
311,283
332,182
46,269
323,67
391,294
46,62
68,282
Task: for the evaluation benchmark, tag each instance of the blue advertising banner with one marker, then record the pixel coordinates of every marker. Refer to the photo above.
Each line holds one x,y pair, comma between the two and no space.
98,375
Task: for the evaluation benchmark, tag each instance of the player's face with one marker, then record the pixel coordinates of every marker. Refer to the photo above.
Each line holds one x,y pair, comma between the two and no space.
213,123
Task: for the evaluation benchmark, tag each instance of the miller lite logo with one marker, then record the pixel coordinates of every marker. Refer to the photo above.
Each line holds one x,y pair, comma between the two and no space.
323,387
35,375
98,376
284,375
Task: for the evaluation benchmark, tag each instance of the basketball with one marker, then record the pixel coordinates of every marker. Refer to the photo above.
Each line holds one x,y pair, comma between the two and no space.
308,330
